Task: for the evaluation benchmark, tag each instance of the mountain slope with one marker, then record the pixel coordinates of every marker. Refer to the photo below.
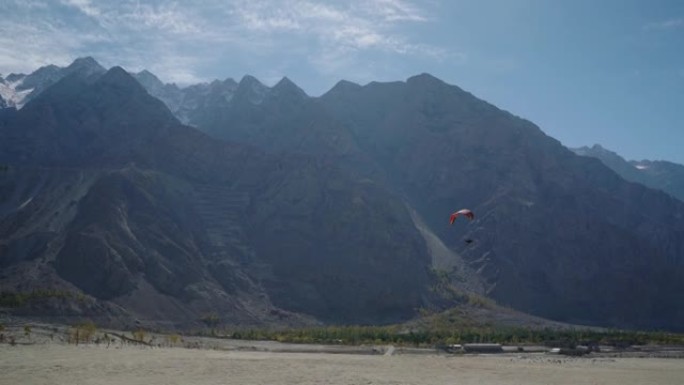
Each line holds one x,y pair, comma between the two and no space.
161,222
187,103
18,89
556,235
661,175
332,207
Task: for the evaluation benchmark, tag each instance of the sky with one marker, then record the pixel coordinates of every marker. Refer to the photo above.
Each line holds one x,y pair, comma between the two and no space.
585,71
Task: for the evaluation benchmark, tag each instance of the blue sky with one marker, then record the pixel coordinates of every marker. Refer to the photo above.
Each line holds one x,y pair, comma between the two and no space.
585,71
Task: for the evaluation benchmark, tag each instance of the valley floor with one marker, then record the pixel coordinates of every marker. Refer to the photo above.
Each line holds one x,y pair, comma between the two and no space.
55,363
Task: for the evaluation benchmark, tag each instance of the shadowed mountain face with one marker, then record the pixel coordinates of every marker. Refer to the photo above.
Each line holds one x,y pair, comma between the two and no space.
330,209
109,195
555,234
661,175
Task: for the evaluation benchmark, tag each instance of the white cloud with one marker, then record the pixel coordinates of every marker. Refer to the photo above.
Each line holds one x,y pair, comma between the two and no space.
261,16
167,18
341,32
25,47
395,10
174,39
665,24
127,15
369,24
84,6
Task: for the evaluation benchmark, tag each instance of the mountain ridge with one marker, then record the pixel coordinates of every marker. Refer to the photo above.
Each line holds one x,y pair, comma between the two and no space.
407,135
335,207
172,217
661,175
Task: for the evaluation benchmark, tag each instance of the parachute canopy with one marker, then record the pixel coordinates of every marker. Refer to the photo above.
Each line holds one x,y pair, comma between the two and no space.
465,212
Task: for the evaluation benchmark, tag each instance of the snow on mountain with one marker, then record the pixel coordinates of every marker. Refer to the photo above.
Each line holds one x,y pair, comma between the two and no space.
18,89
11,91
184,101
661,175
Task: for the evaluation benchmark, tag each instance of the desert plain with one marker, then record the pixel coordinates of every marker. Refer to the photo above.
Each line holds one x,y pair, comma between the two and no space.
38,360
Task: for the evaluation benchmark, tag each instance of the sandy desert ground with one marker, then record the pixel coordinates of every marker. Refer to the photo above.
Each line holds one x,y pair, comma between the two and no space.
89,364
46,357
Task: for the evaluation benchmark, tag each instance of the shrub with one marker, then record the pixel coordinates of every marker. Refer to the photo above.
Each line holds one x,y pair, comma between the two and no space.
27,331
82,333
139,335
173,339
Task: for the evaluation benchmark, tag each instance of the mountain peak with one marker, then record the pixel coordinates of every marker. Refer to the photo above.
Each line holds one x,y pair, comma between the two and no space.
597,151
341,87
250,80
148,79
14,77
230,81
85,60
424,78
347,84
285,85
118,78
251,88
147,74
41,77
285,82
118,75
85,66
597,148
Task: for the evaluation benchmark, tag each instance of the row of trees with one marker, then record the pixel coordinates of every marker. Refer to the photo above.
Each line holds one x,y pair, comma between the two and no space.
354,335
87,332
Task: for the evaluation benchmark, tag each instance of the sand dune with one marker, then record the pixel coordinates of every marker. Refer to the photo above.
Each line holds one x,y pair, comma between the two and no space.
89,364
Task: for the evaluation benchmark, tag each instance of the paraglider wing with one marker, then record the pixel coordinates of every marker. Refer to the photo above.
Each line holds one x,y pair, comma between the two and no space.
465,212
452,218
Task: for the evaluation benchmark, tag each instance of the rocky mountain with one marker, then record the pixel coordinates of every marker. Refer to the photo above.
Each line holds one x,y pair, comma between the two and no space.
17,89
186,103
9,95
329,209
106,194
661,175
556,234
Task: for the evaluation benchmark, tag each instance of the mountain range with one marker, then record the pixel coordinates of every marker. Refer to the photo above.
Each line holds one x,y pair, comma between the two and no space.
265,206
659,174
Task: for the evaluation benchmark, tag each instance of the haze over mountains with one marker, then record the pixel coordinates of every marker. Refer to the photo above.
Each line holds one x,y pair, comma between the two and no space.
659,174
273,207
